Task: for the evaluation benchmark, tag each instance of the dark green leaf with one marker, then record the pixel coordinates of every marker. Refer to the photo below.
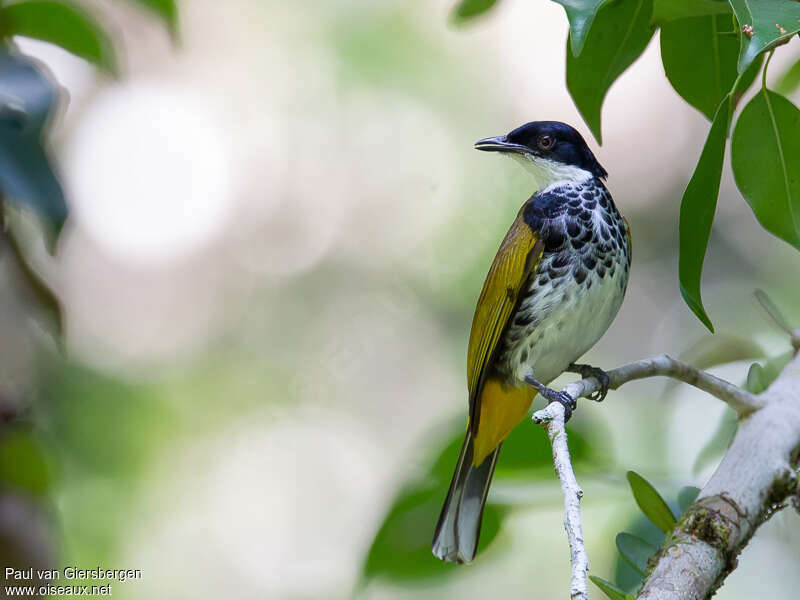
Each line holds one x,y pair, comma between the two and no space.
698,206
166,10
719,442
27,99
699,62
765,156
609,589
619,35
468,9
64,25
686,496
790,80
773,311
670,10
651,503
580,14
635,550
772,21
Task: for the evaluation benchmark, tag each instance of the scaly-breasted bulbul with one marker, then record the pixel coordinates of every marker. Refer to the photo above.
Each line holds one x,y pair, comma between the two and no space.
553,289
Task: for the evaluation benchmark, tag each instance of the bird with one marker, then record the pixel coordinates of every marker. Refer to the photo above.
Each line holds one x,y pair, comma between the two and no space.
553,289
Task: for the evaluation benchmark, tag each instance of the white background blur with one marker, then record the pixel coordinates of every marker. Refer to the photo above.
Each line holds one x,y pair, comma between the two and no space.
279,230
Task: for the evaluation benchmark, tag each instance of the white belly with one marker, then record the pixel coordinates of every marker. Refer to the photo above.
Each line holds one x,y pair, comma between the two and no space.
571,318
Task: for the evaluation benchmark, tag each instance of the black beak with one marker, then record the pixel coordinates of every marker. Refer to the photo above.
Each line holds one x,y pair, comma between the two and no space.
500,144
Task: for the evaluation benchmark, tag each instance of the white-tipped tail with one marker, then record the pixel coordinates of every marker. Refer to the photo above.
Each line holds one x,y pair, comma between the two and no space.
456,536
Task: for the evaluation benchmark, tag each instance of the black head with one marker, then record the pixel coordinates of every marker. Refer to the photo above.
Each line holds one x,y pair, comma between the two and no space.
550,140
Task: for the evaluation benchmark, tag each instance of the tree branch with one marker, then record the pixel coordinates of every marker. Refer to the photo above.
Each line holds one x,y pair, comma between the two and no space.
552,419
757,474
742,401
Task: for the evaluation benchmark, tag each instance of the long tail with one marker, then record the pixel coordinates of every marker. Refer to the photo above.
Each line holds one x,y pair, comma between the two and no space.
456,536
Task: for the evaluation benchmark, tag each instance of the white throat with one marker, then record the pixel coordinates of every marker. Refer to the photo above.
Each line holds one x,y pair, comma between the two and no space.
547,173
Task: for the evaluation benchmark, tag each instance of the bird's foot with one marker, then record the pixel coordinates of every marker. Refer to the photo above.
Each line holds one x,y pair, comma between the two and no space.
602,377
568,402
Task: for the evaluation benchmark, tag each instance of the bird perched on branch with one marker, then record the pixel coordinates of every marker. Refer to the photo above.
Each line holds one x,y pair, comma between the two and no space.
553,289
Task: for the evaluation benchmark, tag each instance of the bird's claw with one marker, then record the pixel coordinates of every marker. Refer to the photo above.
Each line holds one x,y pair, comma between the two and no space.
602,377
568,402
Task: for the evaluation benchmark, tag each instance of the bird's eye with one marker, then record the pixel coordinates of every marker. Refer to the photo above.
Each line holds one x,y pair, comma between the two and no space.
545,142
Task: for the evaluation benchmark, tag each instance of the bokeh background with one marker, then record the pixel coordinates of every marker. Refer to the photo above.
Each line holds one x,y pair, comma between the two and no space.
279,230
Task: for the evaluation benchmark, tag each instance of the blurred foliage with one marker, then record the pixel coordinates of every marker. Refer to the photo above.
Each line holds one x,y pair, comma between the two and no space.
712,51
24,464
790,80
83,430
401,549
27,101
101,430
467,9
648,531
64,25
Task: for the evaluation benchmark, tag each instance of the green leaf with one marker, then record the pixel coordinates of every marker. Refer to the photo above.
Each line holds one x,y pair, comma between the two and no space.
609,589
651,503
698,206
581,14
765,156
699,62
62,24
166,10
773,21
635,550
469,9
790,80
619,35
670,10
755,379
719,442
687,496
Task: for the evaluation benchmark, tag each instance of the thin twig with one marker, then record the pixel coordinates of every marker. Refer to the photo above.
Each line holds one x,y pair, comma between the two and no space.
552,419
742,401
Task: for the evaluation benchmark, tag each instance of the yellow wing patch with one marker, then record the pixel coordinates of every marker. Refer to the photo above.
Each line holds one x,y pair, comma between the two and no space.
516,259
